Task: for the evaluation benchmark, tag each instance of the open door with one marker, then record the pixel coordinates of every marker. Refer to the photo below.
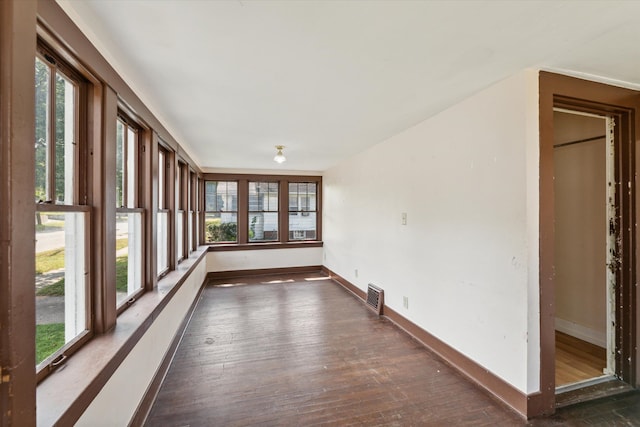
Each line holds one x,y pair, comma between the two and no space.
585,248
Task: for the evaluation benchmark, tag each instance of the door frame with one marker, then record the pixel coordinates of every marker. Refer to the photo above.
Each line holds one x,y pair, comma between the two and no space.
624,104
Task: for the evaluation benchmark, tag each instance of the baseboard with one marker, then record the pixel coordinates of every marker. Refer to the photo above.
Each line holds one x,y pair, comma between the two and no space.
345,284
582,332
144,407
485,379
213,275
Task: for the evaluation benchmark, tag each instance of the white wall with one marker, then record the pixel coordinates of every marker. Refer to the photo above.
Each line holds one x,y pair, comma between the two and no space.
468,257
264,258
118,400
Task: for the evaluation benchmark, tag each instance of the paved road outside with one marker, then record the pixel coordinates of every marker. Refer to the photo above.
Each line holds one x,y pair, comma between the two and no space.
48,240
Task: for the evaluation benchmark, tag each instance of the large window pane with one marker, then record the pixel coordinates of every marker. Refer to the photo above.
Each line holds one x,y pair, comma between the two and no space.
221,205
65,140
43,76
61,280
180,234
120,162
190,231
132,166
128,255
161,179
163,241
263,211
302,211
55,135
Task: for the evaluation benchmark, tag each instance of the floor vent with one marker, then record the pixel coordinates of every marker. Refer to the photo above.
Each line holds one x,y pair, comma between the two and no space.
375,298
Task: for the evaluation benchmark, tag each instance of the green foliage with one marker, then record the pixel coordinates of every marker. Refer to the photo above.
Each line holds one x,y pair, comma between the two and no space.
221,232
43,113
252,227
49,338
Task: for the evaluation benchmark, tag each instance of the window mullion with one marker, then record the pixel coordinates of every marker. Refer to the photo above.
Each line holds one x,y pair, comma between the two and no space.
283,211
243,211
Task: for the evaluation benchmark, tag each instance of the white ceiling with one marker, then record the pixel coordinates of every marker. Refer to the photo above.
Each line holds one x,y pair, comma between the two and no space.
327,79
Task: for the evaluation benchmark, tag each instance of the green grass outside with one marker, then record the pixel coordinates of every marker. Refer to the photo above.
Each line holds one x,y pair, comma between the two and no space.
54,259
122,266
57,289
54,290
49,260
49,338
121,243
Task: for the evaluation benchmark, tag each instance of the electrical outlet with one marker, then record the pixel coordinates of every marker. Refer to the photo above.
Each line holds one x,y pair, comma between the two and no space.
404,218
405,302
356,272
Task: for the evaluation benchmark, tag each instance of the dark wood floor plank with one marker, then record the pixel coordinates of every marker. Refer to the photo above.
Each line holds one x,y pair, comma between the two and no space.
295,352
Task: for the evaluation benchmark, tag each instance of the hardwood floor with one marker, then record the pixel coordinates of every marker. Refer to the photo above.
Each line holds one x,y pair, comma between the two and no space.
577,360
293,352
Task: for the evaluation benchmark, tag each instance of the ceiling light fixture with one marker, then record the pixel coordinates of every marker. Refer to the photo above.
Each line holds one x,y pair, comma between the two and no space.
280,158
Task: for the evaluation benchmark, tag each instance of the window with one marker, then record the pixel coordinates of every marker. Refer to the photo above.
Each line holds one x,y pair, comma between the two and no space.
129,216
248,209
192,221
302,210
198,207
163,230
263,211
182,190
62,216
221,211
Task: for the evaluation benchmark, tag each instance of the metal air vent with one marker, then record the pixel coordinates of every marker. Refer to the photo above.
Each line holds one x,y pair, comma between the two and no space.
375,298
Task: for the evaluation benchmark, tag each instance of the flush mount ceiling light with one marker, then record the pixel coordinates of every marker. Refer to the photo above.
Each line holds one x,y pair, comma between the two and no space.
280,158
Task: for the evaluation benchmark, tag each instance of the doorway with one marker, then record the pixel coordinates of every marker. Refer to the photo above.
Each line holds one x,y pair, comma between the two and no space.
621,106
585,248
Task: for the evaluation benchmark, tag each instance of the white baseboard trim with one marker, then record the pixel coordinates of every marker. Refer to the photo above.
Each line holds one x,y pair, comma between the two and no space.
582,332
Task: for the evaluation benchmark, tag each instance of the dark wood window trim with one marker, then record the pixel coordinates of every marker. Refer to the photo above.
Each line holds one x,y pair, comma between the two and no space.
259,246
182,207
56,58
17,210
126,117
193,210
283,211
107,95
167,203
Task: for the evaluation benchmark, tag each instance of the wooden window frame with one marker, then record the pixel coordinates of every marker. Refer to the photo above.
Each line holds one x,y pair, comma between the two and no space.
278,186
182,207
193,209
125,116
236,211
300,208
56,58
168,204
283,241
